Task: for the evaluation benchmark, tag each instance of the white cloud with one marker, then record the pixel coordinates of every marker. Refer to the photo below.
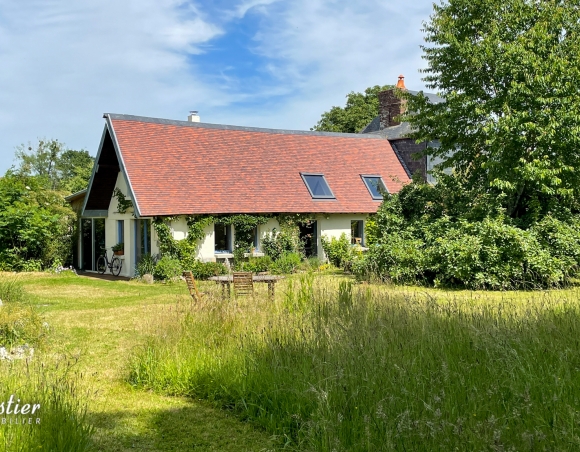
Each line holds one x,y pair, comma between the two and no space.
64,64
242,9
324,49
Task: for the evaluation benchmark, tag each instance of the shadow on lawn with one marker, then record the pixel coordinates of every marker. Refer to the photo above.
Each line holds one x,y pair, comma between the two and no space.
191,427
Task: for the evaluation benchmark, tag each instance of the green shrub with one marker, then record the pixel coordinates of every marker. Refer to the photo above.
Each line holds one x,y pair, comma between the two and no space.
312,264
437,235
145,266
398,259
487,254
36,224
287,263
205,270
167,268
561,240
277,243
256,264
338,251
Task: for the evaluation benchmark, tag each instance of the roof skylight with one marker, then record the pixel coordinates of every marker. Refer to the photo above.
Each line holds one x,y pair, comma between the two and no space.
375,185
317,186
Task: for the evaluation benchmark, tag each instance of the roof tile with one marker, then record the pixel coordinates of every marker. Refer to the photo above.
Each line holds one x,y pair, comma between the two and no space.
194,168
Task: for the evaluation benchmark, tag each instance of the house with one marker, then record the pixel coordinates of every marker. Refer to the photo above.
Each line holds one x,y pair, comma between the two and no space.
386,124
173,169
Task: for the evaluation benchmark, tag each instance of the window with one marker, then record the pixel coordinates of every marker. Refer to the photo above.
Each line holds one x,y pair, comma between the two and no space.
120,231
375,185
223,234
256,239
142,239
357,232
317,186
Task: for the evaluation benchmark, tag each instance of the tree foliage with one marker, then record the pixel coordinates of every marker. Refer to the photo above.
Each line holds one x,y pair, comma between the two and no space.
509,71
56,166
439,235
36,224
360,109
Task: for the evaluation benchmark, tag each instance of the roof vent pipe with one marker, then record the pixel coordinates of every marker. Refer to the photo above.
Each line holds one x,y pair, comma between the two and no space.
193,116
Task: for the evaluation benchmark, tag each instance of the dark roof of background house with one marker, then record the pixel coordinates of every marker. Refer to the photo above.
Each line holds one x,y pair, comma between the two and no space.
433,98
400,131
180,167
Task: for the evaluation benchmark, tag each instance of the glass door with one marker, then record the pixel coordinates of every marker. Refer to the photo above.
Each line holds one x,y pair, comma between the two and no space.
142,239
92,242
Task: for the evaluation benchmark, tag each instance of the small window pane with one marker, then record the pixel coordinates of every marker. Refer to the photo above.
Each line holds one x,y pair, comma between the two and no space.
317,186
376,186
356,232
222,237
120,231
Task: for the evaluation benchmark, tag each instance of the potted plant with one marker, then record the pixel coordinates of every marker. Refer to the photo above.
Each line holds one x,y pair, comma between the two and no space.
119,249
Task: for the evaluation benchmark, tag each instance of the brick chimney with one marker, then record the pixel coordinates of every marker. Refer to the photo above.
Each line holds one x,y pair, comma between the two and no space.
391,106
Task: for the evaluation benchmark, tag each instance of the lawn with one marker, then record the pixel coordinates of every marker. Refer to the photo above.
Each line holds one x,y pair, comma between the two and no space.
329,365
99,323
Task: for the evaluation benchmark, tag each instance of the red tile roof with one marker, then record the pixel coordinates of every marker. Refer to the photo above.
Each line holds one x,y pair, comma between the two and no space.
177,167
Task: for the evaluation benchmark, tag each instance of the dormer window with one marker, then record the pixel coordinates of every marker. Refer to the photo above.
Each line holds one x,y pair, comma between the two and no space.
317,186
375,186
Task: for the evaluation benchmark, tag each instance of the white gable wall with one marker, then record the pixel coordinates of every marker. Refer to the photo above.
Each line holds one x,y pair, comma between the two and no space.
128,231
111,239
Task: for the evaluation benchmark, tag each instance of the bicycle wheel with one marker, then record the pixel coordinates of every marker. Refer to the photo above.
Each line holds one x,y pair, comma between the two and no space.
101,265
116,266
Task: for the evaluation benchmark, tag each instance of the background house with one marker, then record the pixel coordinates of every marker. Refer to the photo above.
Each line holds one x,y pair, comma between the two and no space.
386,125
173,169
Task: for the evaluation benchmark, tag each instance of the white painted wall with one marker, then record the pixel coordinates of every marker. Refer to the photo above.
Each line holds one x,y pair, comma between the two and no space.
331,225
266,229
128,229
206,246
179,228
334,225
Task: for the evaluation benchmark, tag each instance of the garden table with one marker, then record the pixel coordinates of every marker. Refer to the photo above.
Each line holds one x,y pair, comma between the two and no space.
226,281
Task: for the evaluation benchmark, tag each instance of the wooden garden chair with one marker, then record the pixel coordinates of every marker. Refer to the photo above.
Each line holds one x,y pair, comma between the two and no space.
243,283
192,286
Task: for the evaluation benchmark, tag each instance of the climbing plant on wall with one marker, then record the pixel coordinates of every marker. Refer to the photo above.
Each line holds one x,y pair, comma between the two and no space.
167,244
243,224
123,204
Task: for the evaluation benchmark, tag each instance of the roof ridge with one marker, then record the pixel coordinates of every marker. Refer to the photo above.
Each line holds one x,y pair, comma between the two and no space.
205,125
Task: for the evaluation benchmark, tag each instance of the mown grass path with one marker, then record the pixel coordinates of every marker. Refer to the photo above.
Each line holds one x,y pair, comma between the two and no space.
101,322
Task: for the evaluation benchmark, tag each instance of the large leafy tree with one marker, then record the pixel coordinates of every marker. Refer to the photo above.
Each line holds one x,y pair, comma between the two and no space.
509,71
360,109
35,224
74,169
56,166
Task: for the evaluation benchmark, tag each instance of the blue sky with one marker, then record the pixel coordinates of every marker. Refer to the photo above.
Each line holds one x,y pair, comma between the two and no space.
262,63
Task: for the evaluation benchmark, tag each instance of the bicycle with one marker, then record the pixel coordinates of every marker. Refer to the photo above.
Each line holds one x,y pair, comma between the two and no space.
103,263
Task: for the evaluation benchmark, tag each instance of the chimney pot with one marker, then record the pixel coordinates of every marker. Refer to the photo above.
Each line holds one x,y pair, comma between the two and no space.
401,82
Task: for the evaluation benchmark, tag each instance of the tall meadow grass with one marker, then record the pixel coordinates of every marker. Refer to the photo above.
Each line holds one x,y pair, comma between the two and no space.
59,424
19,321
332,366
